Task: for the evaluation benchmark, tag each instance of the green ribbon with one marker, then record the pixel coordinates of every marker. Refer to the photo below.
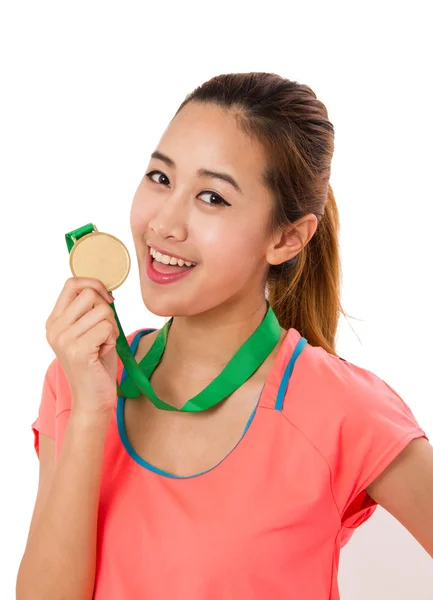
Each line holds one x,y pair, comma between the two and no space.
242,365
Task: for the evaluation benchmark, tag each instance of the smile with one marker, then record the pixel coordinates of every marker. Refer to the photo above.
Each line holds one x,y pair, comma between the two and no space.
162,273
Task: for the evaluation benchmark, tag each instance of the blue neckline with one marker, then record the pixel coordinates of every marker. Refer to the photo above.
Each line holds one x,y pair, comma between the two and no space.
124,438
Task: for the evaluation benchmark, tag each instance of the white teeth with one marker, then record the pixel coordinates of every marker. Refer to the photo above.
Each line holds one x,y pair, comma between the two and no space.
165,259
170,260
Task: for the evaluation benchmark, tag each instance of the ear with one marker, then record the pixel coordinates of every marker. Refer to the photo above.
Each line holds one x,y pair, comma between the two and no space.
290,242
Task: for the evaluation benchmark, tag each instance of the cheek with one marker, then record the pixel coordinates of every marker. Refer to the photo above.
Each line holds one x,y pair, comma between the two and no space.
138,216
233,253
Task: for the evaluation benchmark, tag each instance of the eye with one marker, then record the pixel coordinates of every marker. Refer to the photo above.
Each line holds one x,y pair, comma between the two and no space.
149,175
217,198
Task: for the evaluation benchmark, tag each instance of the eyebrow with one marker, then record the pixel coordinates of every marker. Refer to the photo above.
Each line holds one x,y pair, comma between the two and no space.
201,172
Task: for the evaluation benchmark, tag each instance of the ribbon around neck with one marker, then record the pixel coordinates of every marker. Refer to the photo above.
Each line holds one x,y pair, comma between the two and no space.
239,369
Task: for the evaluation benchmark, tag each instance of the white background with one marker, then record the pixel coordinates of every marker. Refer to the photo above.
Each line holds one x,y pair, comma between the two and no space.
87,90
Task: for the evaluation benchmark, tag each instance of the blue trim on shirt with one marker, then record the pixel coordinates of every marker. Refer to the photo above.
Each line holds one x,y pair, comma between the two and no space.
287,373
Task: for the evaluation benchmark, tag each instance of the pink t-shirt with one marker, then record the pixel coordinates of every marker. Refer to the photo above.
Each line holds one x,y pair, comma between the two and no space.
268,521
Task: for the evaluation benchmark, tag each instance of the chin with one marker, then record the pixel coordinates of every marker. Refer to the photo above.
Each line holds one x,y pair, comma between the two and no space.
164,307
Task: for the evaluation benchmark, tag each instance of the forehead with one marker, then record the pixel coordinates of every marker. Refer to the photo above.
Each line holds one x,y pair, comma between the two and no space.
206,136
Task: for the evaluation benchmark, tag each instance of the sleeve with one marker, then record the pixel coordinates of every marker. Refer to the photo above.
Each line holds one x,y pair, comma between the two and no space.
373,426
45,422
358,423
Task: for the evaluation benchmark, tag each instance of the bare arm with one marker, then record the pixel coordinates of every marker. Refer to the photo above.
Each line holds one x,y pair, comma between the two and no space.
60,556
405,490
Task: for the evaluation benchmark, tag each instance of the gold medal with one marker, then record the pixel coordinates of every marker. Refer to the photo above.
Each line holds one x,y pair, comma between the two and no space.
102,256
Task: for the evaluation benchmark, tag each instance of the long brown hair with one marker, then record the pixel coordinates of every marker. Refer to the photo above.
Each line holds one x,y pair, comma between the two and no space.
298,139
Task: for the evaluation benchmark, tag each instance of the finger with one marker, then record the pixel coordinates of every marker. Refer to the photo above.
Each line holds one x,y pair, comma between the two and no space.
72,287
86,311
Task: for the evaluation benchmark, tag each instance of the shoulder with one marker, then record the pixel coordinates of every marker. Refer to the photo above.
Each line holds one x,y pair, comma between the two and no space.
334,402
329,383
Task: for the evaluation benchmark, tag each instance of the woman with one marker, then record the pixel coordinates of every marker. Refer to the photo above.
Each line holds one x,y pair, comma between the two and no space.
254,496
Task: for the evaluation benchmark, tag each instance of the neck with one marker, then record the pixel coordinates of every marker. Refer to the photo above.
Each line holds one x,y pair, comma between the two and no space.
200,346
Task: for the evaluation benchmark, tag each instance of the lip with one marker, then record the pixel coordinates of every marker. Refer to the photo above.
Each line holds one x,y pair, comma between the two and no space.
167,253
163,277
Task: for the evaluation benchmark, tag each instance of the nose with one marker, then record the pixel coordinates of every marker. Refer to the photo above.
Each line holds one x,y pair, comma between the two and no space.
169,220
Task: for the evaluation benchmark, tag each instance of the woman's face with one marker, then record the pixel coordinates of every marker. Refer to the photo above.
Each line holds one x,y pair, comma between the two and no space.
202,218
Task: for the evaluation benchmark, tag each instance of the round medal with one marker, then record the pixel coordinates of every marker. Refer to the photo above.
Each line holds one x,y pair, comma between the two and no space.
102,256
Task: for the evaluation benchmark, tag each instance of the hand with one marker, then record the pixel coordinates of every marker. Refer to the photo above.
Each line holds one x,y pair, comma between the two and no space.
82,331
